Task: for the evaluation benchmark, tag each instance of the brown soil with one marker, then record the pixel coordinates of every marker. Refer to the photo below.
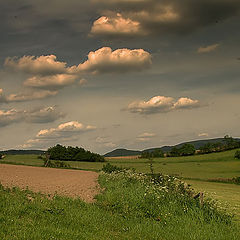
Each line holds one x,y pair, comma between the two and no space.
65,182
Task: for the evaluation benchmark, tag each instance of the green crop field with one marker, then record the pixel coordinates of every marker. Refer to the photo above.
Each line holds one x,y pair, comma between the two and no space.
196,170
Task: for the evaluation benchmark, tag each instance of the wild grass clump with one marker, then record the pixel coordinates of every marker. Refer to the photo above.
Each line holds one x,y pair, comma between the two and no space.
55,164
164,200
109,168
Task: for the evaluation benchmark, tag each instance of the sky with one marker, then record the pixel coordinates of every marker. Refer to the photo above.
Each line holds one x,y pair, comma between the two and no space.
106,74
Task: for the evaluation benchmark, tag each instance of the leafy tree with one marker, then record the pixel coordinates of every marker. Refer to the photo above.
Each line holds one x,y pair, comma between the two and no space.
207,148
230,142
175,152
157,153
187,150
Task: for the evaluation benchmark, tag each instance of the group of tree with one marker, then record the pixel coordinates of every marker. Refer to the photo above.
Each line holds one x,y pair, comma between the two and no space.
157,153
185,150
228,143
69,153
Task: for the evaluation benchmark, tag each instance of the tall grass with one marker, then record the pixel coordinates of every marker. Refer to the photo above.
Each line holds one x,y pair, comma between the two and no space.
131,206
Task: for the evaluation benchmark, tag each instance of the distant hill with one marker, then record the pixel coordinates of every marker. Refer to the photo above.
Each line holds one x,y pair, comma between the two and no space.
122,152
22,152
197,144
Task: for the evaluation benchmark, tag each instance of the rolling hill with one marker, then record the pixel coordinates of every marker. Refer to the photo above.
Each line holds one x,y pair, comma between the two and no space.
122,152
197,144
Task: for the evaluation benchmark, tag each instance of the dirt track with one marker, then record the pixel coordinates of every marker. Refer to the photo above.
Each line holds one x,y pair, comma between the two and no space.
73,183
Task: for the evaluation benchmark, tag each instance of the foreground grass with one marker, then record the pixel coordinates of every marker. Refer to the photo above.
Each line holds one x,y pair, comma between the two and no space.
131,207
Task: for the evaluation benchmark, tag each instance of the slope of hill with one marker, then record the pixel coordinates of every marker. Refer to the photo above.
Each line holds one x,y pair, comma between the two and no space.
197,144
122,152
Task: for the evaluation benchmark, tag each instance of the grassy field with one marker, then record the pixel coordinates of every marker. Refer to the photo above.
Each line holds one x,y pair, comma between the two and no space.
196,170
132,206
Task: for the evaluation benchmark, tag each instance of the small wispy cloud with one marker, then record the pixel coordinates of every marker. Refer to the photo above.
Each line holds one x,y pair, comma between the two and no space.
145,137
208,49
203,134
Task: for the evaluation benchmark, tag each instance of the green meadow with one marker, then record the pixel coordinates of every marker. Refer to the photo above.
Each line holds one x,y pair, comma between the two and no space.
200,171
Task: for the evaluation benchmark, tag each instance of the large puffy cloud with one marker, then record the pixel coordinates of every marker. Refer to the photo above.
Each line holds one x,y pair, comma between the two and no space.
105,60
38,115
164,16
43,65
49,74
161,104
62,133
46,72
8,117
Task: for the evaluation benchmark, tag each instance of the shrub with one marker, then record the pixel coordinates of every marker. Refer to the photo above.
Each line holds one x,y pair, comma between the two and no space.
55,164
236,180
109,168
237,154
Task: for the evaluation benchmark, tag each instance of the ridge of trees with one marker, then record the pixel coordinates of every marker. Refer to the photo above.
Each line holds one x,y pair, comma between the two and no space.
187,149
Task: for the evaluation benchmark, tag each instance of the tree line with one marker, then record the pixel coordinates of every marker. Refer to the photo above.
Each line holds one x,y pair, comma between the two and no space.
187,149
69,153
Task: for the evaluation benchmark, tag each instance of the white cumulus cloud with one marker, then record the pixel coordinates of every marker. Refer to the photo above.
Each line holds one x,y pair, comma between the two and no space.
64,132
184,103
105,60
161,104
116,25
43,65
